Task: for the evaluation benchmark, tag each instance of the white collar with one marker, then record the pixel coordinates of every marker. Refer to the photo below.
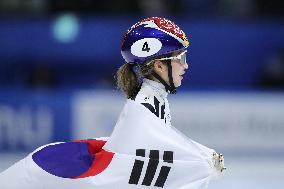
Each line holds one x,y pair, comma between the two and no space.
156,86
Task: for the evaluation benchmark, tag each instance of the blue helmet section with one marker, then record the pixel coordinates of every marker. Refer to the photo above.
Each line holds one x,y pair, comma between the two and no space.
169,41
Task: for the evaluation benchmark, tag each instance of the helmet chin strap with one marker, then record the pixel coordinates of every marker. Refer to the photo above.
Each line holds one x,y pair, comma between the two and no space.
169,88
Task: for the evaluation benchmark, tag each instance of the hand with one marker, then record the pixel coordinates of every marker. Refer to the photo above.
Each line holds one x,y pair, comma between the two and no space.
218,161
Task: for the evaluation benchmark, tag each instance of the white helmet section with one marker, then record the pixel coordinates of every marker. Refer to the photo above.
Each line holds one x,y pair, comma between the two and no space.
146,47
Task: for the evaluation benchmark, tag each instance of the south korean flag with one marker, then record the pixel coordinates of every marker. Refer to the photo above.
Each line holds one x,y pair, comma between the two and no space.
141,153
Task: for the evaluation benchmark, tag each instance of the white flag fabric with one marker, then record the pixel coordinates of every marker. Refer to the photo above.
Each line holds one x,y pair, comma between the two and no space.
138,128
142,152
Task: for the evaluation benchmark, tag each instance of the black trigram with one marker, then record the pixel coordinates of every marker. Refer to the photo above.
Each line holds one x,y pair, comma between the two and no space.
156,110
151,168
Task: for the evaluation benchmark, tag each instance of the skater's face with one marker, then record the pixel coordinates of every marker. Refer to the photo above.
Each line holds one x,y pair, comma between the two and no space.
178,70
179,67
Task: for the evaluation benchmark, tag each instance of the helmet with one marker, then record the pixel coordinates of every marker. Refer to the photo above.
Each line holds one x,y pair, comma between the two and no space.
150,38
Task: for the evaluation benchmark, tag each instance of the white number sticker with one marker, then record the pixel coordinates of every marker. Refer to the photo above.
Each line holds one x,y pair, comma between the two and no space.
146,47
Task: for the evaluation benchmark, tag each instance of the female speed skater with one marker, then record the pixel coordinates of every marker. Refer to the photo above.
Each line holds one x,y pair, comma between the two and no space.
144,150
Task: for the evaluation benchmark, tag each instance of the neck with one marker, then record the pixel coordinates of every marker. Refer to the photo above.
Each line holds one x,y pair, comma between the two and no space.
156,86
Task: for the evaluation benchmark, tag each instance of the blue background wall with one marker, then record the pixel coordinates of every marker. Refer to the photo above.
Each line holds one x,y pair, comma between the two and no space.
29,119
223,54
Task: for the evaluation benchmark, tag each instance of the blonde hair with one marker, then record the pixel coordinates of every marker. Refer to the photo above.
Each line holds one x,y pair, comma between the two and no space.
128,81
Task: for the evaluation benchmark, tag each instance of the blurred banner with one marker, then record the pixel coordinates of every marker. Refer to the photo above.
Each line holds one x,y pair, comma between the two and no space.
236,122
233,122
